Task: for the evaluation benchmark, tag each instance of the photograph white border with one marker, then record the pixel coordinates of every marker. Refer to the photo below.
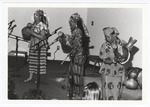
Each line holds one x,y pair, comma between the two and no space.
4,53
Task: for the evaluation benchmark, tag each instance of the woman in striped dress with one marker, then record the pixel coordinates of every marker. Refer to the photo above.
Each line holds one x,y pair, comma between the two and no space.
39,30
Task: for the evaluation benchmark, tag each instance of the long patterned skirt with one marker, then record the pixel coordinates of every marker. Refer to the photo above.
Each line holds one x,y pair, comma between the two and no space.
112,80
77,71
33,60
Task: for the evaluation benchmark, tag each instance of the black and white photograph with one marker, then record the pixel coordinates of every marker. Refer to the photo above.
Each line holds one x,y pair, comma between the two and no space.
80,52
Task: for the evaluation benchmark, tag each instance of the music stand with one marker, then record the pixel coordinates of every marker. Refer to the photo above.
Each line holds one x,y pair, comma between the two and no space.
17,38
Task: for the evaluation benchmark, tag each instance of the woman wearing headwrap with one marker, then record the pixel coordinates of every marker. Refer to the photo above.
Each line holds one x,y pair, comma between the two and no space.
39,30
112,71
79,42
77,46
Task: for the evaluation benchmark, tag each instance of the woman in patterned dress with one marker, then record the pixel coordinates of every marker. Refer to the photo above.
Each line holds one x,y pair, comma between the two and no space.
79,42
39,30
112,71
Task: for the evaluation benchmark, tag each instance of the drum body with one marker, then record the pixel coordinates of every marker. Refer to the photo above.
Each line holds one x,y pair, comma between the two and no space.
63,41
26,33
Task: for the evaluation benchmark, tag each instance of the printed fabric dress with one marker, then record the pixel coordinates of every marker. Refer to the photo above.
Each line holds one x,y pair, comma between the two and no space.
33,55
112,74
77,62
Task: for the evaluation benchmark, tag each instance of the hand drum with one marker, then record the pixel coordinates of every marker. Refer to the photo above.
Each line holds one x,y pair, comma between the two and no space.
121,55
26,33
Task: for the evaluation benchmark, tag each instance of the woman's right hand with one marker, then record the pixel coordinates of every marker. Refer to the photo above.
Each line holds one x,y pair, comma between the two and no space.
108,61
115,60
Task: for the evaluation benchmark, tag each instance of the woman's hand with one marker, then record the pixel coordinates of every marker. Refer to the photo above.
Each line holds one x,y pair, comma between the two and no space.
68,43
108,61
39,36
116,60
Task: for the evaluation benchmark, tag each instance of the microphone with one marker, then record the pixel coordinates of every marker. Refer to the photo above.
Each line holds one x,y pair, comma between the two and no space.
55,31
12,28
10,23
58,28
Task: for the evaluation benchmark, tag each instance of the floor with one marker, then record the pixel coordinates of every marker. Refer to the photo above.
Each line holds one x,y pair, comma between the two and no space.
54,87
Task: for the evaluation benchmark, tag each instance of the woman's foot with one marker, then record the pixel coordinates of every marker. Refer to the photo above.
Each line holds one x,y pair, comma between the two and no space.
27,80
35,81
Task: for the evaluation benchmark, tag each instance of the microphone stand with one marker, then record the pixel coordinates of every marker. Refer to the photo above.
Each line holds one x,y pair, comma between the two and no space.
54,32
38,68
39,52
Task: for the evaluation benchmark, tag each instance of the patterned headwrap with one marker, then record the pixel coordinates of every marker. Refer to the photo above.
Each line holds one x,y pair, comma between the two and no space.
39,12
76,17
109,31
43,15
112,32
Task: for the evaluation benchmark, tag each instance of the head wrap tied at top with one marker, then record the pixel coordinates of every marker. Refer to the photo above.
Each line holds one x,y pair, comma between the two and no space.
109,31
39,12
43,15
76,17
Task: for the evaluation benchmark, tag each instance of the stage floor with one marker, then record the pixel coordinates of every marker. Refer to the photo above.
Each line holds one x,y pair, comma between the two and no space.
56,89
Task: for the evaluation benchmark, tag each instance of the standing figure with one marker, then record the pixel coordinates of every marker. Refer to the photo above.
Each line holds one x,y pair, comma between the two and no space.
79,43
39,30
112,71
76,46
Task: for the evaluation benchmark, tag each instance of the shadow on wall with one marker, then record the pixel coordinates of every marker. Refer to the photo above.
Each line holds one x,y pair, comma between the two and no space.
132,53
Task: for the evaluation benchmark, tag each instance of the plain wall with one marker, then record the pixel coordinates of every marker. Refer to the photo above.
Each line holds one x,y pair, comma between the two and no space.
128,22
58,17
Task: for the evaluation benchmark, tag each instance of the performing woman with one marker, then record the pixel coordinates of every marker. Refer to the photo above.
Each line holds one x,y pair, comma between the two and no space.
79,42
77,47
112,71
39,30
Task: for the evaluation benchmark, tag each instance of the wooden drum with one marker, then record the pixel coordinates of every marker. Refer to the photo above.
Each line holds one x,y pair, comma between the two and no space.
26,33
